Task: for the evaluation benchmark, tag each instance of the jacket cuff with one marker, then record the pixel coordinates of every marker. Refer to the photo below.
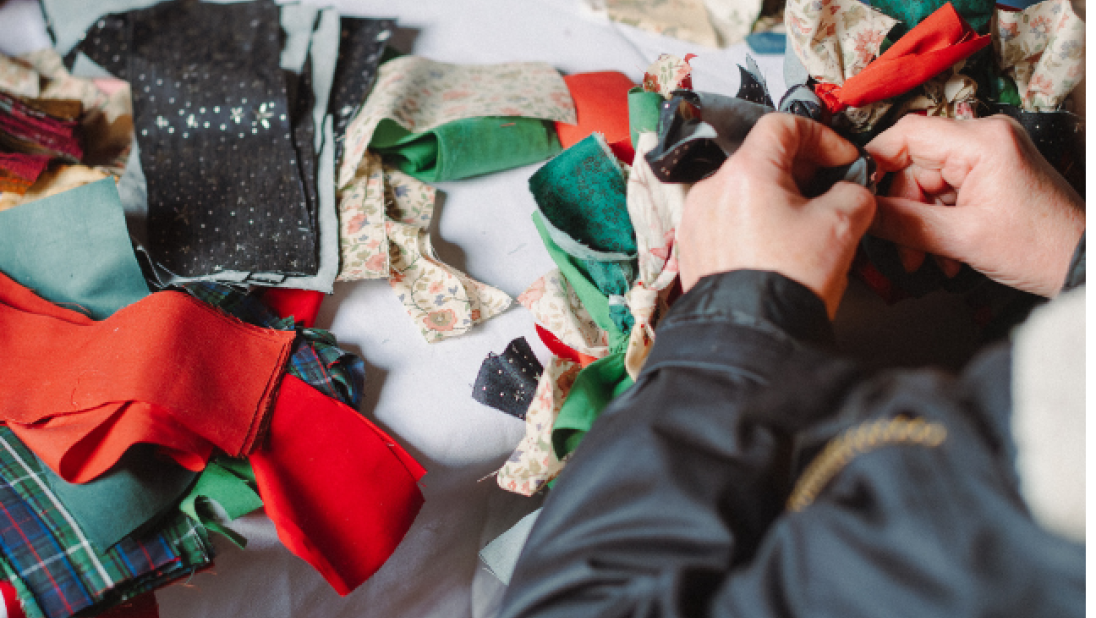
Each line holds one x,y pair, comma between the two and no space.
762,299
1076,275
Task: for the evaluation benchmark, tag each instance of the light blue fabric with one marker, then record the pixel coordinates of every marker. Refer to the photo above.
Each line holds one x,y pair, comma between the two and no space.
501,555
72,249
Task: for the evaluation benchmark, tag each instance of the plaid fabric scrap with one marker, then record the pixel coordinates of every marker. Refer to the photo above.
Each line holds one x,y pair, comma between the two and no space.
316,358
59,566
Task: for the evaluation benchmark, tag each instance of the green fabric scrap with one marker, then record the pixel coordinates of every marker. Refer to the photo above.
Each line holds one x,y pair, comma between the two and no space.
73,249
145,483
578,277
466,148
230,483
977,13
582,193
595,387
643,111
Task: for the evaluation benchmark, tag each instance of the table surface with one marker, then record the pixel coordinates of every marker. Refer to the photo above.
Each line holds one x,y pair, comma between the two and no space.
421,393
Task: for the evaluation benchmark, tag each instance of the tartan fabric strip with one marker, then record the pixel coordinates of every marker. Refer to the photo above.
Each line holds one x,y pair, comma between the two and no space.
316,358
59,565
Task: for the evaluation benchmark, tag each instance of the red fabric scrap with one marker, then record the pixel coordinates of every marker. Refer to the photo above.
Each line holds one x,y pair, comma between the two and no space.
167,369
562,350
931,47
12,605
303,305
601,105
341,492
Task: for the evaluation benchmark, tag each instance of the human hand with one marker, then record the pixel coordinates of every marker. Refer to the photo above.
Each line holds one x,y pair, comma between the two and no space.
751,214
977,191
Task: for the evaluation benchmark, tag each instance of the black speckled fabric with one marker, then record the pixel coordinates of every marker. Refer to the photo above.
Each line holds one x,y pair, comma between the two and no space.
508,381
217,146
360,48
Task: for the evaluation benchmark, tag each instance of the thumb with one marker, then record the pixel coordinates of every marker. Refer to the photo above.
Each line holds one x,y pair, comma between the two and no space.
932,228
854,203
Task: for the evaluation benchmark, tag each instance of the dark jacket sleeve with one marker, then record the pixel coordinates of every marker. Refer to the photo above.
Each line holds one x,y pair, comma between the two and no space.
751,472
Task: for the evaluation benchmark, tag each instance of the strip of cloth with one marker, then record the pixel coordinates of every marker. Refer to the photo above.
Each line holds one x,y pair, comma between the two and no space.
340,491
930,48
198,107
221,375
418,95
62,569
1042,49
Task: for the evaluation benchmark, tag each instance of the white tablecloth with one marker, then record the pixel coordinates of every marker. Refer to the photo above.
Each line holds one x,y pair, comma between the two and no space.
421,393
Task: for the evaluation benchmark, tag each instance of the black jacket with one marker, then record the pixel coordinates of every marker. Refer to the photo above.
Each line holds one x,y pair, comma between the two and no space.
752,472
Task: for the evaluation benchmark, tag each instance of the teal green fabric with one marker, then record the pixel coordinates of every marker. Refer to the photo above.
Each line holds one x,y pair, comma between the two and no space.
595,386
582,193
643,110
911,12
466,148
230,483
147,485
578,277
1005,91
73,249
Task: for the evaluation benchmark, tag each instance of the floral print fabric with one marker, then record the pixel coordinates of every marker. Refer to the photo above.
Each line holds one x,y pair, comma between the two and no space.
836,39
1042,48
534,462
420,94
384,213
655,209
667,74
555,306
713,23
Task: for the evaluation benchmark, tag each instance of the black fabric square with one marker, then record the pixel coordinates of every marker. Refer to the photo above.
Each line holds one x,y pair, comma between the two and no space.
508,381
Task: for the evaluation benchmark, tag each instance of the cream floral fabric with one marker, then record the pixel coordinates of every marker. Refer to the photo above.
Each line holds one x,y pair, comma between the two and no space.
667,74
1042,48
713,23
18,78
386,237
420,94
534,462
950,94
655,209
557,308
384,213
836,39
442,301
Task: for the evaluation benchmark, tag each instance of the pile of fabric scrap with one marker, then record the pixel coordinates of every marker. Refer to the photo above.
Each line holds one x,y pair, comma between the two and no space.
173,215
607,210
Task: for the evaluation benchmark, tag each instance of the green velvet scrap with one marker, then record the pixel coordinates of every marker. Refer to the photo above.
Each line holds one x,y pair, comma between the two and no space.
576,272
466,148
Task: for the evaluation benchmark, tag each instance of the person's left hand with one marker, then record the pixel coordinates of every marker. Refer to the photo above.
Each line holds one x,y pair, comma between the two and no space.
751,213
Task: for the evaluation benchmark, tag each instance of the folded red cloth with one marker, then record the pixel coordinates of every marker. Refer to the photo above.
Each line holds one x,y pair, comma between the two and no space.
601,104
931,47
157,371
341,492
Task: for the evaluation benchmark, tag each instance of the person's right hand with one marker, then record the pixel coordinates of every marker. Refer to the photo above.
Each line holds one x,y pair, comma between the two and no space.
977,191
